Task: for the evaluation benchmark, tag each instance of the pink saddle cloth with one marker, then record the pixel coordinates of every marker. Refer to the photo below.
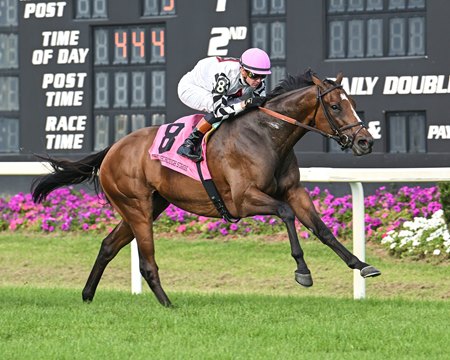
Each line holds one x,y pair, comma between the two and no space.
167,141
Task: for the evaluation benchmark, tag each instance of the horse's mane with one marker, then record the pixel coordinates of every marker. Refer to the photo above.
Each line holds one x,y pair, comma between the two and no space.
292,82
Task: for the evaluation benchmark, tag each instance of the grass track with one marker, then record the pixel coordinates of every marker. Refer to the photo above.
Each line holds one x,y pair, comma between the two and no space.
251,265
53,323
234,299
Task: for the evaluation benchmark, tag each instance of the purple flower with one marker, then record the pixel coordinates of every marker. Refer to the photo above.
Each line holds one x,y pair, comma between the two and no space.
65,226
67,209
212,226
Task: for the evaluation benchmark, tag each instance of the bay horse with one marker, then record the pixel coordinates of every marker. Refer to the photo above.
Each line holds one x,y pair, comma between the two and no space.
251,160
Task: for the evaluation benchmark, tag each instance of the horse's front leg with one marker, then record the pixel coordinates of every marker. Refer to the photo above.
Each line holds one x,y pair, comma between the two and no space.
304,209
257,202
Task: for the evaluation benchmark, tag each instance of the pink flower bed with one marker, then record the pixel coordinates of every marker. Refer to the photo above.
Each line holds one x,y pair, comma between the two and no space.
70,210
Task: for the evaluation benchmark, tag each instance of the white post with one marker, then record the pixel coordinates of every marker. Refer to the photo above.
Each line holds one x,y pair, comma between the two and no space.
136,280
359,283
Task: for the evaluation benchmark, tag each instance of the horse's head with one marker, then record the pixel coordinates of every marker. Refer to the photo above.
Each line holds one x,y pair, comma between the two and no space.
335,114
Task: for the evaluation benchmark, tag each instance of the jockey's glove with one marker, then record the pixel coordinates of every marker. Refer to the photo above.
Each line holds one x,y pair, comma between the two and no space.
255,102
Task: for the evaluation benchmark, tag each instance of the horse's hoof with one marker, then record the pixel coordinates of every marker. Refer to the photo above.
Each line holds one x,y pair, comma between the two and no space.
370,271
167,304
87,298
304,279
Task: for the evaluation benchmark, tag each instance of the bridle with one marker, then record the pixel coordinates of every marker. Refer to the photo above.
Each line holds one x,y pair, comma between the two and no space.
345,141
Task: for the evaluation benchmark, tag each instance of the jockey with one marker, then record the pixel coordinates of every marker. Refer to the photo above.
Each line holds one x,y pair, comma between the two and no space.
222,87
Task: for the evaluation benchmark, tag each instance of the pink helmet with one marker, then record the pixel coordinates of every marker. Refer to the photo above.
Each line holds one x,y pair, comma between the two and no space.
256,61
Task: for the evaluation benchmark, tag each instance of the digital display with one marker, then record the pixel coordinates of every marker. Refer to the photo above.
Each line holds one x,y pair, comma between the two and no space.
159,7
86,9
9,79
9,93
268,21
130,78
8,13
129,45
9,51
128,71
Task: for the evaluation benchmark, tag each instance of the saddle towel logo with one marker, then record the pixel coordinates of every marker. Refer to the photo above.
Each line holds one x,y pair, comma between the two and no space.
167,141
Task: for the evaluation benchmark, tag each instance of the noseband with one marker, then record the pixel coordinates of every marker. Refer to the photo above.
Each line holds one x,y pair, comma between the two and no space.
345,141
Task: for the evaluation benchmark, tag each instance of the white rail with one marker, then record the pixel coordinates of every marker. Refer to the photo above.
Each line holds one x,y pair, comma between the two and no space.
23,168
355,177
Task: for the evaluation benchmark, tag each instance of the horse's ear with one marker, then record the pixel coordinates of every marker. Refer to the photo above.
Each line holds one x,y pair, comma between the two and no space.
316,80
339,77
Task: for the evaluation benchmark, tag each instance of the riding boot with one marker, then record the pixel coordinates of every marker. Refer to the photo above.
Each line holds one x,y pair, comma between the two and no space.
191,147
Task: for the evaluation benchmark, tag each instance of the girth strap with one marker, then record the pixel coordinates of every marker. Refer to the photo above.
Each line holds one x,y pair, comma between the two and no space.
215,197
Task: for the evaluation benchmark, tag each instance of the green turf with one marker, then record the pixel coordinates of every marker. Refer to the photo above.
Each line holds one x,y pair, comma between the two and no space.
234,299
54,324
250,265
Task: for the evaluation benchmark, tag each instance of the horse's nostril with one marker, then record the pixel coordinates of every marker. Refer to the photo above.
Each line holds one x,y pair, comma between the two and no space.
363,143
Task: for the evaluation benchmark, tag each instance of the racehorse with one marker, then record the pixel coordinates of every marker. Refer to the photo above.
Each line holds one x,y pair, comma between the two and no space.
251,160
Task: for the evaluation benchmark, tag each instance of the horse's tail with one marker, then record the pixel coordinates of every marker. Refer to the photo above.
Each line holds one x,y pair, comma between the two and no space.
68,173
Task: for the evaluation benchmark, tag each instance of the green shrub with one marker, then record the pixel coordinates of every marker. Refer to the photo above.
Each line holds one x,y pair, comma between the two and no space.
444,189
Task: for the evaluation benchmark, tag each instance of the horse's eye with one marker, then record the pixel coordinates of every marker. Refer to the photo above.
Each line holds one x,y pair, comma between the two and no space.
335,107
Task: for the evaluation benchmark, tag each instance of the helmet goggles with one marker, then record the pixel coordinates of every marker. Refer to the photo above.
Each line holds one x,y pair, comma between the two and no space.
254,76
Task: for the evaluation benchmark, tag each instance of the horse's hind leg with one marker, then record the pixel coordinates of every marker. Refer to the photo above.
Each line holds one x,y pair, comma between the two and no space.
304,209
139,213
147,263
111,245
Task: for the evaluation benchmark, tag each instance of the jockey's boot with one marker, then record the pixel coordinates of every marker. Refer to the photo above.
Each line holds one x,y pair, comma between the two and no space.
191,147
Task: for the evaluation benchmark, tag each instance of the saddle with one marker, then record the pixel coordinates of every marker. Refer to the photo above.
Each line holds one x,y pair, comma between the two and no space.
164,148
169,138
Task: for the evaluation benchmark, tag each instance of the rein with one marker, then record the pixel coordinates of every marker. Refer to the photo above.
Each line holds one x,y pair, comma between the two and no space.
342,139
294,122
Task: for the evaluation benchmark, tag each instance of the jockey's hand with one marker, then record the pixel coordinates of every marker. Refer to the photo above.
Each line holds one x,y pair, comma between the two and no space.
255,102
